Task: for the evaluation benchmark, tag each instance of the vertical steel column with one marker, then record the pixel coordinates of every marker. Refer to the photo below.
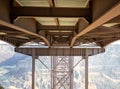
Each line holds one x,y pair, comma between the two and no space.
54,70
51,72
71,61
86,70
33,68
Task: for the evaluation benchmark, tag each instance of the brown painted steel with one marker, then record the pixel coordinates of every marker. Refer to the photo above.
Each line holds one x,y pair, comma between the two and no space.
12,26
61,51
112,13
50,12
86,70
33,68
62,73
60,33
71,28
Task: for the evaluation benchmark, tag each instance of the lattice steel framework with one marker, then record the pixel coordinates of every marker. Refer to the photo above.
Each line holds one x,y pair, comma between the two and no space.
61,63
62,72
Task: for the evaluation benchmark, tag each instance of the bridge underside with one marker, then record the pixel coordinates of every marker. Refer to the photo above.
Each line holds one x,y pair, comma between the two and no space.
57,24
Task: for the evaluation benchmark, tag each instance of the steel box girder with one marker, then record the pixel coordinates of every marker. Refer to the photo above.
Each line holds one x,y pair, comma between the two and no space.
49,12
61,51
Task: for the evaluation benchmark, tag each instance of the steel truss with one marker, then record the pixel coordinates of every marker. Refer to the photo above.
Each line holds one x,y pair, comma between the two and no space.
62,65
62,72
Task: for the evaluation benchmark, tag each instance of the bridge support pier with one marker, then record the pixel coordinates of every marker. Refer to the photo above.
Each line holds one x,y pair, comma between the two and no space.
60,64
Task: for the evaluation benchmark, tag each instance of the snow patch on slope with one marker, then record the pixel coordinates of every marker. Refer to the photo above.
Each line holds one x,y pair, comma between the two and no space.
6,51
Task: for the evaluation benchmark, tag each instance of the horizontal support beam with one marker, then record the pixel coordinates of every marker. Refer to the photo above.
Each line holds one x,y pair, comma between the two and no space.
49,12
60,33
61,51
65,28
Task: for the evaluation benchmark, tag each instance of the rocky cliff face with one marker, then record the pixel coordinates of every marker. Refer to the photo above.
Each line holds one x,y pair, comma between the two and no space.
15,70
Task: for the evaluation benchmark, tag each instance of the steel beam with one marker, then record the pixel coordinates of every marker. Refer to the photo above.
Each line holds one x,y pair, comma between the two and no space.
112,13
12,26
86,71
12,40
66,28
52,4
60,33
62,59
99,7
115,20
103,30
61,51
105,42
62,73
57,21
33,68
81,25
49,12
71,63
